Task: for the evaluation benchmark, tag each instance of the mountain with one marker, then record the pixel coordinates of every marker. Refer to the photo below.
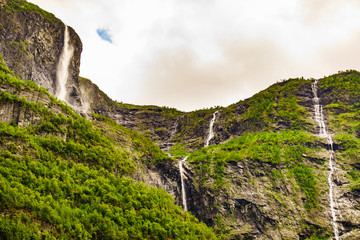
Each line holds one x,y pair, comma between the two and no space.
283,164
61,177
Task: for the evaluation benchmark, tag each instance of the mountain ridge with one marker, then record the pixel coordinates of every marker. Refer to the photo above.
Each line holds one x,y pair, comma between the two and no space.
264,175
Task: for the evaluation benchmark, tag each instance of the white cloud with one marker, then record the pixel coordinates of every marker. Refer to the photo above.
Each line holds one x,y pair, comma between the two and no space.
227,49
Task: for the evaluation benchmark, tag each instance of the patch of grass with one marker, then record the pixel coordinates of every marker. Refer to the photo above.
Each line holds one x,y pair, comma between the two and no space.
273,108
306,180
178,150
285,148
23,5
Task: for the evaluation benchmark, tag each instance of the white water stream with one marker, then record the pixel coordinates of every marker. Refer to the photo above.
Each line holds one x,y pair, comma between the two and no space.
319,118
183,193
62,71
210,136
211,130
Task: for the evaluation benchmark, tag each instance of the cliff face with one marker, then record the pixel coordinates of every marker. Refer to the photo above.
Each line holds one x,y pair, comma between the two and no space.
265,173
62,178
31,42
272,182
155,122
253,196
257,187
173,129
14,112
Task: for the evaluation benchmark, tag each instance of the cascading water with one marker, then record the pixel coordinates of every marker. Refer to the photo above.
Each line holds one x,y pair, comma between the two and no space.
319,118
62,71
211,131
183,193
173,132
210,136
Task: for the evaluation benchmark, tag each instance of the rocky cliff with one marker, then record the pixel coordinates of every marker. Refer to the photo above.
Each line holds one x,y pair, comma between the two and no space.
31,41
272,181
63,177
265,177
265,174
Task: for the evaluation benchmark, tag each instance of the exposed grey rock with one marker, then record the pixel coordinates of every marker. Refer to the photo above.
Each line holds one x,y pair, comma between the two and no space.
31,45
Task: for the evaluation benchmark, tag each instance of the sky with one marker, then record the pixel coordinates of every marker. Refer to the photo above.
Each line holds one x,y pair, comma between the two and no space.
194,54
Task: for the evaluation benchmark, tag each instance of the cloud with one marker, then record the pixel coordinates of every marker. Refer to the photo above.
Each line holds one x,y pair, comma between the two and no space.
341,56
179,78
315,11
192,54
104,34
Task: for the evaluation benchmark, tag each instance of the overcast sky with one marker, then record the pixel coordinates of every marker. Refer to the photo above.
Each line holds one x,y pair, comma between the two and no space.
193,54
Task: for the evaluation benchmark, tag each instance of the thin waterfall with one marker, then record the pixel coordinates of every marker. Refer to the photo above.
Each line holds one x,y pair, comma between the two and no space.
319,118
62,71
173,132
183,193
211,131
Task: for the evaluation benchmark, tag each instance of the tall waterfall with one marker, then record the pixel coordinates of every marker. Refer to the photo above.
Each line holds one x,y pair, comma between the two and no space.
319,118
211,131
183,193
62,71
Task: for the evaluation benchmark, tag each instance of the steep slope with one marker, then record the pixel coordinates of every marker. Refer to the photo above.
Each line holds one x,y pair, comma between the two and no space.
156,122
31,41
272,182
265,175
176,131
61,177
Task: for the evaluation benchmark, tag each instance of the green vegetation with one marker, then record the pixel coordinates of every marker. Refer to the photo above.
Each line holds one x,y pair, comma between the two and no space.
277,149
307,183
344,108
271,109
349,148
21,46
56,198
344,112
144,149
165,111
194,123
318,234
62,177
23,5
278,162
178,150
3,68
346,118
343,87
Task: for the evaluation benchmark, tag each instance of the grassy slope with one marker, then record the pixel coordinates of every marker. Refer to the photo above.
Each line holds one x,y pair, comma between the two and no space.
275,159
59,206
295,156
64,179
23,5
343,108
272,110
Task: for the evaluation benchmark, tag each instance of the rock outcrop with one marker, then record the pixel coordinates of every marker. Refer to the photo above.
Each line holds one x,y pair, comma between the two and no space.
31,41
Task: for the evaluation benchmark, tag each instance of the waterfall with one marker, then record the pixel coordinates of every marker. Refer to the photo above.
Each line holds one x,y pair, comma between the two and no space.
211,131
173,132
62,71
319,118
183,193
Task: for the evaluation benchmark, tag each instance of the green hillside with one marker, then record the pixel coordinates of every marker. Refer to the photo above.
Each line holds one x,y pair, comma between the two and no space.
61,177
118,171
